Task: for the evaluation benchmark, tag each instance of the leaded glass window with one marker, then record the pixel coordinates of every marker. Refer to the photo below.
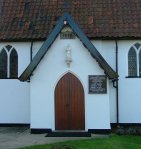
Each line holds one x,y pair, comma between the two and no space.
137,45
8,62
13,64
132,62
3,64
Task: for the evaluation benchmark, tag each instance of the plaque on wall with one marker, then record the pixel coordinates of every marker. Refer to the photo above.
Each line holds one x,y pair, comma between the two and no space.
97,84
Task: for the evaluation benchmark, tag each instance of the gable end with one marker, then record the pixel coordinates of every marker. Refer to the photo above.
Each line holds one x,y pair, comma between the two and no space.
86,42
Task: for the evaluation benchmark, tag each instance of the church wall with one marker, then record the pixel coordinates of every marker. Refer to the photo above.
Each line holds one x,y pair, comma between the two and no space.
129,88
35,48
47,74
108,50
14,95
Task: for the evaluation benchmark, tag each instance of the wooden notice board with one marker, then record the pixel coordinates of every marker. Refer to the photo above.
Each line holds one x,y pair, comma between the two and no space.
97,84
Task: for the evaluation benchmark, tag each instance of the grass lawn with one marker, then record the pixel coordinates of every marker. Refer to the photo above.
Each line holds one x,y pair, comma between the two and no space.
113,142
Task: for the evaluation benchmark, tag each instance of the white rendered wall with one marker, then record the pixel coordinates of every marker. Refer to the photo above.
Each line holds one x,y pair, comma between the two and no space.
129,88
108,50
14,99
51,68
36,46
128,95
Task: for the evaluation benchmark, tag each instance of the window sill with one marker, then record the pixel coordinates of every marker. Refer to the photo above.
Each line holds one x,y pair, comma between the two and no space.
133,77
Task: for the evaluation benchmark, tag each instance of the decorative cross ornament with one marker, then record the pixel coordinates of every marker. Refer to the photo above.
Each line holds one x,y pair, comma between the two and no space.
68,56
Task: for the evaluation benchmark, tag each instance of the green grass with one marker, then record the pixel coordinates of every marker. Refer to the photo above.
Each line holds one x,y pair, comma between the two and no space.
113,142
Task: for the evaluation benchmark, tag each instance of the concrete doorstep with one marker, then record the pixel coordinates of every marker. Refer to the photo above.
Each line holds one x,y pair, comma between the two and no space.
16,137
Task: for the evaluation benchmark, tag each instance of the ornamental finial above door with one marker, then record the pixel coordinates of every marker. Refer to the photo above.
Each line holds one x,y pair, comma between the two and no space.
68,58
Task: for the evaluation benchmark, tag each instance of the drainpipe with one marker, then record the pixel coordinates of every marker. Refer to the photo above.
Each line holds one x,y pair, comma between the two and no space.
115,85
31,50
117,94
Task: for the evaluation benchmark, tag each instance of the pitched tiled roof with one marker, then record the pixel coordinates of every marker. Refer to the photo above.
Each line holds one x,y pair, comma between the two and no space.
35,19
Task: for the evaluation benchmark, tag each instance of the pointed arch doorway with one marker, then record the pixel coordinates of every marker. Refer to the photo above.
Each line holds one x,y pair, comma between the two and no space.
69,104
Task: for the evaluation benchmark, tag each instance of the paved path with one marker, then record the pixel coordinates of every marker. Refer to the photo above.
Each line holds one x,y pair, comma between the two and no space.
15,137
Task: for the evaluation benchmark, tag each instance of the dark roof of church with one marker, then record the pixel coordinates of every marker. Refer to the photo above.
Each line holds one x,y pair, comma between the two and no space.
86,42
35,19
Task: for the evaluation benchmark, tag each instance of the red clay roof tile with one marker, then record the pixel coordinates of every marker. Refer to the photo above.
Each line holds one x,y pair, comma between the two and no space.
34,19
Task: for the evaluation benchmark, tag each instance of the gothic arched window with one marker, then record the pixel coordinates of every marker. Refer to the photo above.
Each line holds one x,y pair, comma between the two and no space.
134,61
13,64
3,64
8,63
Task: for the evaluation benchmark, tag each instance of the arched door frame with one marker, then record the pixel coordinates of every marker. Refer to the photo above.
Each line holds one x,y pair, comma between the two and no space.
56,83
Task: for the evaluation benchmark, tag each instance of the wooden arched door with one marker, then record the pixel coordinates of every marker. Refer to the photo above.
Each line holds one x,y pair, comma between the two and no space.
69,104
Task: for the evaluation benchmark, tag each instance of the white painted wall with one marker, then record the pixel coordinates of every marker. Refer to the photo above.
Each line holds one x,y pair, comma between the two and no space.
47,74
129,88
14,107
15,104
14,95
36,46
108,50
